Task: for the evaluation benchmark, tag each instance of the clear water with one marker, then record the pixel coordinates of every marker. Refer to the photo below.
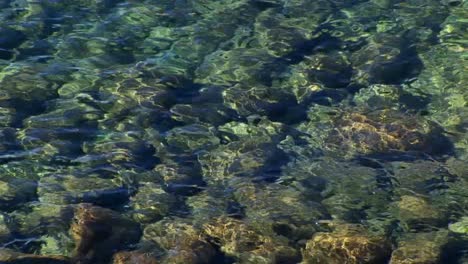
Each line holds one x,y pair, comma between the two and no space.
233,131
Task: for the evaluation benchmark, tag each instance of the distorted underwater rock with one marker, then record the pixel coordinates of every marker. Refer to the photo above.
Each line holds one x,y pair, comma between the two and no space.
246,244
151,203
421,248
98,232
347,243
180,241
415,211
374,132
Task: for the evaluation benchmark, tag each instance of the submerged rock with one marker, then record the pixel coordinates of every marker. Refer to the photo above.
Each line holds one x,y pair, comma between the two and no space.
378,132
460,227
4,230
11,257
420,248
151,203
248,245
279,210
133,257
98,232
417,212
180,241
78,188
347,243
15,191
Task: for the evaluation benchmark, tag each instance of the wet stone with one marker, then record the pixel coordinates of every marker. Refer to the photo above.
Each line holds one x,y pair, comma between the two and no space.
4,230
376,132
460,227
151,203
98,232
192,137
71,189
279,210
180,241
346,244
418,212
39,219
419,248
14,191
246,244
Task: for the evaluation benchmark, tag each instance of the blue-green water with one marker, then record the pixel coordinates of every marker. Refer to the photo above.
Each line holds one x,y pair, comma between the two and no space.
233,131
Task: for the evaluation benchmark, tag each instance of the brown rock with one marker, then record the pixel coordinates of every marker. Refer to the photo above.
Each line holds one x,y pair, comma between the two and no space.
98,232
133,257
240,240
348,243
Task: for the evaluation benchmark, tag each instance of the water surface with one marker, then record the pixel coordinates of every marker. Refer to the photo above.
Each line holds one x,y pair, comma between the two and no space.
233,131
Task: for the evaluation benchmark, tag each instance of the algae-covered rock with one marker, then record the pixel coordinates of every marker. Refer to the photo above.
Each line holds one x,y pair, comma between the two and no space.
233,66
347,243
39,219
69,188
348,191
98,232
279,209
192,137
180,176
377,132
460,227
417,212
420,248
211,203
249,151
4,230
246,244
423,177
180,241
151,203
14,191
56,243
384,96
22,82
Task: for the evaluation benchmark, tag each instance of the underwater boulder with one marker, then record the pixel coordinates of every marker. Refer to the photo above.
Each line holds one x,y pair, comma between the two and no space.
180,241
98,232
279,209
192,138
233,66
15,191
258,100
151,203
420,248
416,212
35,220
375,132
72,189
4,230
347,243
239,240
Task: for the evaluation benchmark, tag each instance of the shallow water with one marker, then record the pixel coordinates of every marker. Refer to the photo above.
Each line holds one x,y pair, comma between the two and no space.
233,131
